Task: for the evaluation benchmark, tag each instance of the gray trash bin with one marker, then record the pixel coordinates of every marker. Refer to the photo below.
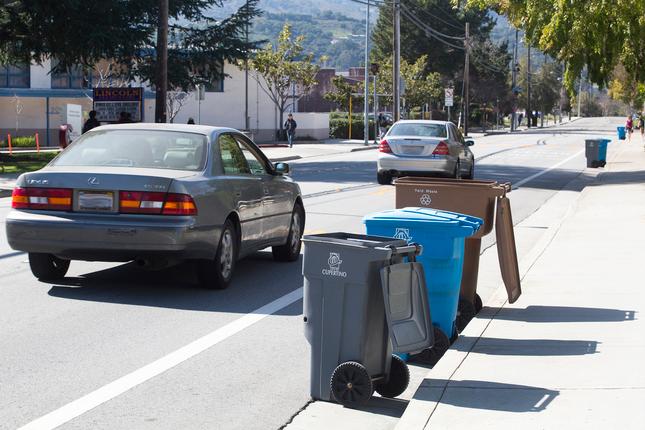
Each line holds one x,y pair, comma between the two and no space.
592,152
346,323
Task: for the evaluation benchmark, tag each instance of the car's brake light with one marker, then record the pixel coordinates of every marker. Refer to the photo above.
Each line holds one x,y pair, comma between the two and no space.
53,199
384,146
179,204
138,202
441,149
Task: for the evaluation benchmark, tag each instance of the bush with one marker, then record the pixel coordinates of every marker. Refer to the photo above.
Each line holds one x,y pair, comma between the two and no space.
20,142
339,128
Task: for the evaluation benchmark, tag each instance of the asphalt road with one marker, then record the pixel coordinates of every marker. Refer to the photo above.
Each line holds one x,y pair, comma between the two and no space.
112,346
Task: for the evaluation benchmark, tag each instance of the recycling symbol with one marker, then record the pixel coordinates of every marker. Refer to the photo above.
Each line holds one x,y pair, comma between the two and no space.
425,200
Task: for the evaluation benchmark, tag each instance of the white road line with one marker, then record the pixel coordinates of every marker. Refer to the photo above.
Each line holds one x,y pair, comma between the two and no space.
78,407
542,172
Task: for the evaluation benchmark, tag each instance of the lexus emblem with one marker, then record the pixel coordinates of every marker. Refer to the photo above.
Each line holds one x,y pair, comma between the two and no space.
93,180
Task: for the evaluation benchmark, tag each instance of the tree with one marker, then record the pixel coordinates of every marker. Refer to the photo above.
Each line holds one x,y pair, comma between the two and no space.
591,34
83,33
343,90
489,76
283,72
546,88
421,87
175,100
444,58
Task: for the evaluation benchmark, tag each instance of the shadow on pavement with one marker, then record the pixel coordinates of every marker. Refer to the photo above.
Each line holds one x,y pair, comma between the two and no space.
384,406
528,347
485,395
611,178
257,281
556,314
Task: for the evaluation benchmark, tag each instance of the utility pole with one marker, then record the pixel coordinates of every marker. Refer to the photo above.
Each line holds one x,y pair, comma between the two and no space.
529,113
366,110
162,62
466,109
579,93
514,113
375,113
396,86
246,71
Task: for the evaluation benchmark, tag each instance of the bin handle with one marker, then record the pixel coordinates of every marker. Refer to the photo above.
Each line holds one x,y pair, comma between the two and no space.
412,250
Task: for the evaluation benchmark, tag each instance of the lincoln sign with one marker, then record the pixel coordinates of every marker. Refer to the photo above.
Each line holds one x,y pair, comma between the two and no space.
110,102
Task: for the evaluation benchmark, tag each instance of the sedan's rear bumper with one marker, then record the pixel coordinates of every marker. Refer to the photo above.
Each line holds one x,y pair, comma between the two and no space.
110,237
401,164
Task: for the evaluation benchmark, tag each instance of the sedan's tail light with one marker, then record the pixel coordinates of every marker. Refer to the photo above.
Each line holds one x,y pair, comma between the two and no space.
384,146
53,199
137,202
441,149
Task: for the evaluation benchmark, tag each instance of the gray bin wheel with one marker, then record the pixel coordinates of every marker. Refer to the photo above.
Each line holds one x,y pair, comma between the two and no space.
351,384
431,356
602,163
398,381
465,312
479,305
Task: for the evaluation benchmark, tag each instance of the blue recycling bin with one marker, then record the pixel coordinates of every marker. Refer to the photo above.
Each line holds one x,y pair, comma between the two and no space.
621,133
602,150
442,235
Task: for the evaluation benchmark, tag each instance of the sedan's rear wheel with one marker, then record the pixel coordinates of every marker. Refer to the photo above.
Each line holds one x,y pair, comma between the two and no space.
471,173
47,267
457,173
383,178
290,251
216,274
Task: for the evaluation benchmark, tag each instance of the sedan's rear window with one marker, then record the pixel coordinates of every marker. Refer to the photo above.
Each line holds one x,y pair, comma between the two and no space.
137,148
423,130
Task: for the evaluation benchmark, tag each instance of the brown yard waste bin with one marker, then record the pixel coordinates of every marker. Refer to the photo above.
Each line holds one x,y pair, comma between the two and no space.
477,198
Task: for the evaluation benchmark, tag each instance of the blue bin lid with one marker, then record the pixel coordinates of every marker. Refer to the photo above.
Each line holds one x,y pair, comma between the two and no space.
448,222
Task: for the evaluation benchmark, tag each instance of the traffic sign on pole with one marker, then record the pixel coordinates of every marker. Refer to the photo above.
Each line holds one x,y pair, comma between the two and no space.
448,95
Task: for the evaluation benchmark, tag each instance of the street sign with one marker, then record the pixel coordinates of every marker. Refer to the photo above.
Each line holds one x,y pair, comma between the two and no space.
448,95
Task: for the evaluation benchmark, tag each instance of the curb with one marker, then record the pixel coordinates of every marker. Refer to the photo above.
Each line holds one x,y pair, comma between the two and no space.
364,148
288,158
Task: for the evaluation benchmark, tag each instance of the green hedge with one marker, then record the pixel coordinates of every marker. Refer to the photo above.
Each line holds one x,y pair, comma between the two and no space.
19,142
339,128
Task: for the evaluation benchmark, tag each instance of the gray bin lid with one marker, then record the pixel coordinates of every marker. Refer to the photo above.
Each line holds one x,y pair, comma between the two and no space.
406,307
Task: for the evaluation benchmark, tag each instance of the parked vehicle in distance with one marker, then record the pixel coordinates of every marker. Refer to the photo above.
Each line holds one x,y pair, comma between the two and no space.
422,148
157,194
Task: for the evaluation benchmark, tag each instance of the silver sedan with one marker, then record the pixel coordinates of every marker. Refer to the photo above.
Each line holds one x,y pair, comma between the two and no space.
157,194
420,147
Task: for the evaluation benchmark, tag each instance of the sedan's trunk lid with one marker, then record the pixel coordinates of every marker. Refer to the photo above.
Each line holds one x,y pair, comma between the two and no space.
413,146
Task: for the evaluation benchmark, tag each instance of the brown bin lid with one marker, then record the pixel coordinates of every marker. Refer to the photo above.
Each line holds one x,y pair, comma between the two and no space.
506,251
476,198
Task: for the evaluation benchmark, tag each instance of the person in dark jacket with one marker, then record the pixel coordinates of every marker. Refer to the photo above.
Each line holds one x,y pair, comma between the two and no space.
290,126
91,122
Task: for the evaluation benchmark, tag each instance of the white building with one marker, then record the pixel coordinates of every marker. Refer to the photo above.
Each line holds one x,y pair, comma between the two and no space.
33,100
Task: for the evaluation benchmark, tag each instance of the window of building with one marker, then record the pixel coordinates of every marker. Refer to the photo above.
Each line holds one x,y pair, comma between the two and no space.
72,78
16,76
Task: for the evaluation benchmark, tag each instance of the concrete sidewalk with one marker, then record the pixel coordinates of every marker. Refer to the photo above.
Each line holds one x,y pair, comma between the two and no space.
571,352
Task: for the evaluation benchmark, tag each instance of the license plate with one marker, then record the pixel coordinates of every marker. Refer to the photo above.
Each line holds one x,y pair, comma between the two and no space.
95,200
412,149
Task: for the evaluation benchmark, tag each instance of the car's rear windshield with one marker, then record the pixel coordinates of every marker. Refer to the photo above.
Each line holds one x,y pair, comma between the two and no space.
423,130
155,149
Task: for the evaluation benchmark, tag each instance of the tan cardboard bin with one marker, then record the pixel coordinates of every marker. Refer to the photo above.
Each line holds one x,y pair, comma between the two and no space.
476,198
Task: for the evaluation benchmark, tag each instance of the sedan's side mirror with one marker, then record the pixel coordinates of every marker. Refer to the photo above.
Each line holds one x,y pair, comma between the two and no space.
470,142
281,168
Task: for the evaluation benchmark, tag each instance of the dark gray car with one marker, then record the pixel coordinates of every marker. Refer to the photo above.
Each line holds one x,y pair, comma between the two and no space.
157,194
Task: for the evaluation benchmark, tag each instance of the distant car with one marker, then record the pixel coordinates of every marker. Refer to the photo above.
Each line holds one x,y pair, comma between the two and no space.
157,194
421,147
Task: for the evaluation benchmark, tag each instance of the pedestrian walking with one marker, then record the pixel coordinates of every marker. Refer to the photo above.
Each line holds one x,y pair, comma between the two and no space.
382,124
641,126
629,127
190,121
290,126
91,122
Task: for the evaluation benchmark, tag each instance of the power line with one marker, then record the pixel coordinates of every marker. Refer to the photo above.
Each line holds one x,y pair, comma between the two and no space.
428,30
437,32
423,11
